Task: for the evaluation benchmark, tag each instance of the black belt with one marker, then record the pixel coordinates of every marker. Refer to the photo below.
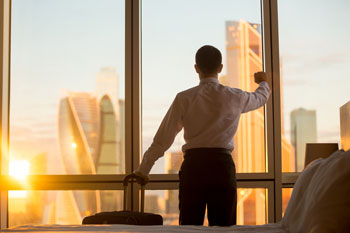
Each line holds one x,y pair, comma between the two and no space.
196,151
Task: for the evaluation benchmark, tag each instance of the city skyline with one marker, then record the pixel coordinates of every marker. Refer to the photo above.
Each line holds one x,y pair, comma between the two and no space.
27,129
71,48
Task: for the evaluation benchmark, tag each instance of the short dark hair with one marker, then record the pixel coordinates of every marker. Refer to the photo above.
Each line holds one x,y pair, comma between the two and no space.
208,59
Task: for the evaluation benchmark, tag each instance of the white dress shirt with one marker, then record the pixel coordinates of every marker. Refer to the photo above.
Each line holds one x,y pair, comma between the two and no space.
209,114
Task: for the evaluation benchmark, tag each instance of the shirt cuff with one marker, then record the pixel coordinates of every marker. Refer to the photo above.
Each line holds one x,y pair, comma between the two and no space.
144,167
263,83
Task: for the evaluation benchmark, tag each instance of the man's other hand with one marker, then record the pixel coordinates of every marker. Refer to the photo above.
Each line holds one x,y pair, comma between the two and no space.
260,77
144,177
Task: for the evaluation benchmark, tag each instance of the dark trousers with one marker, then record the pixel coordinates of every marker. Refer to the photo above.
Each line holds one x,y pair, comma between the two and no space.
208,179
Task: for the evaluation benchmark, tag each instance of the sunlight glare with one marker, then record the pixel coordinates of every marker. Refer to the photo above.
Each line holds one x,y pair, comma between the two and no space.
18,194
19,169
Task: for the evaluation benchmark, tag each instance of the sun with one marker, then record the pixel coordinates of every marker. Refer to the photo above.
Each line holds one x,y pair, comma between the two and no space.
19,169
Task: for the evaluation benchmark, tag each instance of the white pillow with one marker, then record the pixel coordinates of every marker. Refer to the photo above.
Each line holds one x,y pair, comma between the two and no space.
320,201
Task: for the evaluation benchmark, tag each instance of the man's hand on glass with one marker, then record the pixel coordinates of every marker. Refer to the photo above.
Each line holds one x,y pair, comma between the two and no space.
260,77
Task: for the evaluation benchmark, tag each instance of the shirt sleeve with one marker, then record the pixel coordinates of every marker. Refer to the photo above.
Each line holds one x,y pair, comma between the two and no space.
254,100
164,138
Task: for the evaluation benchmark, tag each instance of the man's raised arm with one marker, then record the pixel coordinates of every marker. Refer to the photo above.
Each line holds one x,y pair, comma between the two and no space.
254,100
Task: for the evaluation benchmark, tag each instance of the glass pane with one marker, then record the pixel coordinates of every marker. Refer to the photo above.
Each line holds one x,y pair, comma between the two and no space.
286,194
314,59
59,207
251,206
67,86
168,50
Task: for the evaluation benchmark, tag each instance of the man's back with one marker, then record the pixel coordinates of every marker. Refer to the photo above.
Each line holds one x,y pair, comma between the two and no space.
211,112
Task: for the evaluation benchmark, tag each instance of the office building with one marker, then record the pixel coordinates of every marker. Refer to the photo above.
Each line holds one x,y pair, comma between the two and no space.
244,58
173,164
91,142
303,130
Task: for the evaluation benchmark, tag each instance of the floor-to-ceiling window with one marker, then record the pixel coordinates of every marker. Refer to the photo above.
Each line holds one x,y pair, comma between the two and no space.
172,32
314,57
91,80
67,104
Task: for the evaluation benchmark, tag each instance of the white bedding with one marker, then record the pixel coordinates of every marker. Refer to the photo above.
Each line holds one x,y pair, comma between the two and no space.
268,228
320,201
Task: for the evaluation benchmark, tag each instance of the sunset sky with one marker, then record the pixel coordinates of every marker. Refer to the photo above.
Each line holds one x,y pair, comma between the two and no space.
62,44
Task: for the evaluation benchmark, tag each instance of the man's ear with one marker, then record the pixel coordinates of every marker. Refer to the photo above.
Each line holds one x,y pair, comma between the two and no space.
220,68
196,68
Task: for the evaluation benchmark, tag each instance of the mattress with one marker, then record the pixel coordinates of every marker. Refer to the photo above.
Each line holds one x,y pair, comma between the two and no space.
268,228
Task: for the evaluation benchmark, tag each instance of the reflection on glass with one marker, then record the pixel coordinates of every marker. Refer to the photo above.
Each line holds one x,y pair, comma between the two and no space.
235,29
314,60
251,206
286,194
59,207
67,86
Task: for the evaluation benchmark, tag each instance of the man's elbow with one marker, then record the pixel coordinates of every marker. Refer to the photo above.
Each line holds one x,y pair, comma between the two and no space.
264,98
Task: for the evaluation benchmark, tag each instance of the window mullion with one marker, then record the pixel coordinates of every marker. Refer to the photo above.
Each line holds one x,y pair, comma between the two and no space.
5,24
271,17
136,115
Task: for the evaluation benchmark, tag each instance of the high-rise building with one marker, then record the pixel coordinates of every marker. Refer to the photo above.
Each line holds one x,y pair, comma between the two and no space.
112,122
107,84
78,128
303,130
92,142
345,126
121,155
173,164
244,58
173,161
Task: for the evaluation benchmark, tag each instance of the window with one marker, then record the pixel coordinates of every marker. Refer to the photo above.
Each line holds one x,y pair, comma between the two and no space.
251,206
60,207
82,109
67,111
314,56
168,49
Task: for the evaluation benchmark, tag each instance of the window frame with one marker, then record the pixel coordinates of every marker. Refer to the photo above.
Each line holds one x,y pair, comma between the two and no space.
273,179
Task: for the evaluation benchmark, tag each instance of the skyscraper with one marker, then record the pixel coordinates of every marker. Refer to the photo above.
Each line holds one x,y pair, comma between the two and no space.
112,115
303,130
91,141
345,126
244,58
173,161
173,164
78,127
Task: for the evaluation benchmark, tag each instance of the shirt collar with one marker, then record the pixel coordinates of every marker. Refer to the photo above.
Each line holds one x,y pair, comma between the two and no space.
209,80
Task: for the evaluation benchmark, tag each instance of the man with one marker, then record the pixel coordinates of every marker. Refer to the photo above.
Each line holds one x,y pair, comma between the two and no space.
209,114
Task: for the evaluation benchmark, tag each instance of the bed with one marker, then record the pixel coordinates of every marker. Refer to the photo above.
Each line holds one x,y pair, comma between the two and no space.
270,228
320,203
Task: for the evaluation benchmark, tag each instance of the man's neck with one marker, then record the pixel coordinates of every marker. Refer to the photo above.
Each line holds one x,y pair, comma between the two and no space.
201,76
